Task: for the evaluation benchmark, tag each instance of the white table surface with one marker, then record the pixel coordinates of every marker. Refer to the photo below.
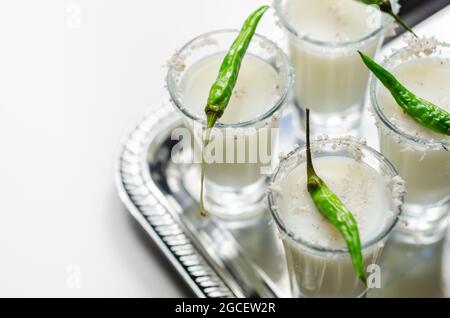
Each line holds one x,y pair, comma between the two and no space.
74,75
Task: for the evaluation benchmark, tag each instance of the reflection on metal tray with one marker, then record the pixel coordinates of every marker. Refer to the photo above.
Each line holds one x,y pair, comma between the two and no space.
223,259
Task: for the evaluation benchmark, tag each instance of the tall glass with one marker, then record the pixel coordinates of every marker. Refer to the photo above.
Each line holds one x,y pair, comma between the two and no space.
330,78
316,270
422,161
235,179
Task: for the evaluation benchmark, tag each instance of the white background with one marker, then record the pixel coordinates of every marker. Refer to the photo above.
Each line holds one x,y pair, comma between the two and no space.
74,75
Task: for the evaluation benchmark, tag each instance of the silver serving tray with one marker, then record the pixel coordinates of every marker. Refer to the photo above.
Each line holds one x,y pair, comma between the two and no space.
226,259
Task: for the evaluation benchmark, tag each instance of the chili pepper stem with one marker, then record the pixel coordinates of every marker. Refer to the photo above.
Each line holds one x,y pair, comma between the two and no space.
403,24
211,120
386,7
310,168
206,136
203,211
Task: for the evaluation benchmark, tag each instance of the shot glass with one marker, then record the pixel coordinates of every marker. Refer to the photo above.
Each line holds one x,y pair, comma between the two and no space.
244,140
330,78
319,263
420,155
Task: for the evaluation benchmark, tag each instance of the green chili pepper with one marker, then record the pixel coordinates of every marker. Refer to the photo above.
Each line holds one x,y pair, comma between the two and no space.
423,111
332,208
386,7
222,89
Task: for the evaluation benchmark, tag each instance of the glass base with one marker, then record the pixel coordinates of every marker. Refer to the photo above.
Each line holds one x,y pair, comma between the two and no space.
228,203
333,124
364,294
422,224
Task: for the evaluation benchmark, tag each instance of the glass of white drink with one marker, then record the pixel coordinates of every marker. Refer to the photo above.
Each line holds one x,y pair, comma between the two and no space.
420,155
324,36
318,260
244,139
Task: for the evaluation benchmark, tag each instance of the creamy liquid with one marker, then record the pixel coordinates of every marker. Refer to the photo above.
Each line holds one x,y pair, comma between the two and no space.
426,172
332,20
364,193
255,93
330,80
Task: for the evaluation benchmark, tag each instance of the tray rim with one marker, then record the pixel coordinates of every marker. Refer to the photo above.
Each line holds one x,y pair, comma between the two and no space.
212,284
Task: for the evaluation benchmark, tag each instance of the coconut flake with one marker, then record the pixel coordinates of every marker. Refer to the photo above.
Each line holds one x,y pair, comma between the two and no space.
398,190
419,46
177,62
275,189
